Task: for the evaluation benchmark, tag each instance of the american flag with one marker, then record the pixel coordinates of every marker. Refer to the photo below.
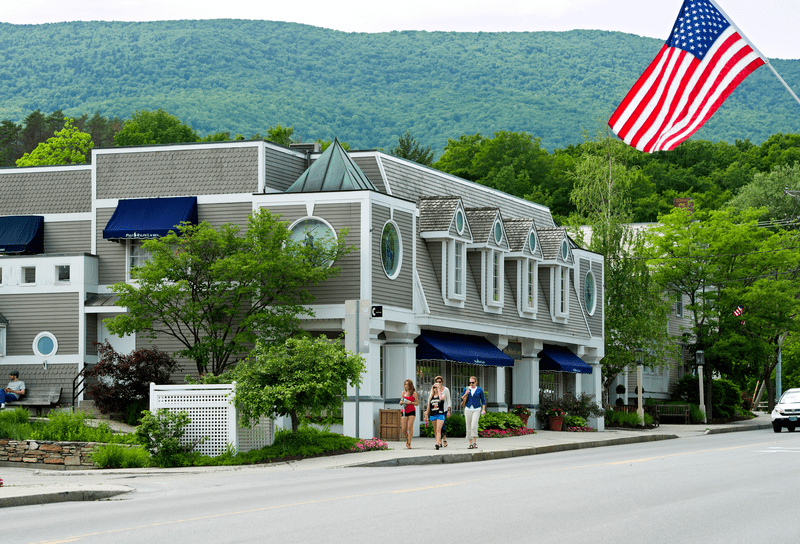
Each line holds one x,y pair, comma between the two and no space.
703,61
738,311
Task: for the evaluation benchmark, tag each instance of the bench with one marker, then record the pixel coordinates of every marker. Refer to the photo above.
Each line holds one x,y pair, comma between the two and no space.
38,400
675,410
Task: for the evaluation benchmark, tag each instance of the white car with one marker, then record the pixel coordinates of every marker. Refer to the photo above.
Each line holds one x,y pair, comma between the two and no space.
787,411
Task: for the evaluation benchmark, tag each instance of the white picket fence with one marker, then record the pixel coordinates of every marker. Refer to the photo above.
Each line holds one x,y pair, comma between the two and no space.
213,415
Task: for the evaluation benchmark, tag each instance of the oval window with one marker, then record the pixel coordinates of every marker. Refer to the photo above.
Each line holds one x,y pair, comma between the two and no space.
390,250
564,250
45,344
316,235
460,222
590,292
498,232
532,242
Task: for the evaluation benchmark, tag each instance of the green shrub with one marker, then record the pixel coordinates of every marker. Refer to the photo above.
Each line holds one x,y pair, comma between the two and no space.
116,456
161,435
583,406
71,427
574,421
625,419
499,420
306,442
17,415
455,425
695,413
726,396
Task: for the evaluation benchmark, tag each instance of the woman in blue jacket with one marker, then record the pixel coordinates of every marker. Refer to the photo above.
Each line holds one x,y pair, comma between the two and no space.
475,407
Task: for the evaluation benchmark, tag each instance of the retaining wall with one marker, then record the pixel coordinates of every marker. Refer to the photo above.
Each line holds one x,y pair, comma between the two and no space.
46,454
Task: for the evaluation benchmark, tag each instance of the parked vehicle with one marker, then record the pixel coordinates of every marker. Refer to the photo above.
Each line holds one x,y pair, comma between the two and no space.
787,411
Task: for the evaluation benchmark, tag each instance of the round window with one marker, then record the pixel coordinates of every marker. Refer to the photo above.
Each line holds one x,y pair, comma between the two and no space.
460,221
390,250
315,234
564,250
532,242
590,292
45,344
498,232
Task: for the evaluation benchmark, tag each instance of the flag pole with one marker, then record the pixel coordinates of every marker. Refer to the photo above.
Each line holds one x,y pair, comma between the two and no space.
760,54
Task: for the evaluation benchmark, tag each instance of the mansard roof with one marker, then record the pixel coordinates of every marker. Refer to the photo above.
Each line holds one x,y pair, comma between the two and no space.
517,233
334,170
436,212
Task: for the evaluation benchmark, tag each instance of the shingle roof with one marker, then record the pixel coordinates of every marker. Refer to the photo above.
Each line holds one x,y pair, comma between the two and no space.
481,221
40,191
517,232
334,170
436,212
550,241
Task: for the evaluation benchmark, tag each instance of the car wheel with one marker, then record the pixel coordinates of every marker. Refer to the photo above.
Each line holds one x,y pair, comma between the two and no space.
791,428
776,426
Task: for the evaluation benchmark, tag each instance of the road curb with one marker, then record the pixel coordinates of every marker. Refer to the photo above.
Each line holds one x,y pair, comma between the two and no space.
65,495
438,459
754,427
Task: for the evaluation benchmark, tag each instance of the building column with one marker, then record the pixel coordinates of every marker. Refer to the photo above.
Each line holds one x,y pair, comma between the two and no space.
593,385
369,396
399,365
498,393
526,379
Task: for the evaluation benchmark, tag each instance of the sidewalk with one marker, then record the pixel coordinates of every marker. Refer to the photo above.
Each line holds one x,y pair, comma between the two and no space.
23,486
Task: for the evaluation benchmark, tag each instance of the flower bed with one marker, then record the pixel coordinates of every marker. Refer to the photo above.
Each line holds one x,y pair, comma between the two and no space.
369,444
505,433
584,429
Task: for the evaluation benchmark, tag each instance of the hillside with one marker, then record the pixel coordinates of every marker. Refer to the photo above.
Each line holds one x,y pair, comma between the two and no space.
367,89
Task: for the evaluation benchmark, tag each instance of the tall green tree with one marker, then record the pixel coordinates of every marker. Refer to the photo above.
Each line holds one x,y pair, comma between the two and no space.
409,148
721,260
301,376
217,290
68,146
635,307
766,192
154,127
10,143
281,135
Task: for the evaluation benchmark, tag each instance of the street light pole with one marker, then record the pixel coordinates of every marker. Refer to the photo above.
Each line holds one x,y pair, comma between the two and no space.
639,371
699,358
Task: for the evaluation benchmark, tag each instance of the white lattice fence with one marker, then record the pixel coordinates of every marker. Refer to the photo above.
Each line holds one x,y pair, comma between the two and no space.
213,415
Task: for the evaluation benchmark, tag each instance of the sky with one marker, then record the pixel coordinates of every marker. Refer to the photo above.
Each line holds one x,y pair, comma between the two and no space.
770,24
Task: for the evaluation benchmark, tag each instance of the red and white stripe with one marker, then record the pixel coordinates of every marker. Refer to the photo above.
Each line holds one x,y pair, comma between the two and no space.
678,92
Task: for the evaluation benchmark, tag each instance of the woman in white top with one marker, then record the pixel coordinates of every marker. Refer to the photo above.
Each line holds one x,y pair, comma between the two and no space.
476,404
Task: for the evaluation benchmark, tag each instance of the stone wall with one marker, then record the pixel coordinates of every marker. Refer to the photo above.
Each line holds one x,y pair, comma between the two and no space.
46,454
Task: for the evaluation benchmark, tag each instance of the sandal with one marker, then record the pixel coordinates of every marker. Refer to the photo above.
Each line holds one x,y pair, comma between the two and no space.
471,447
444,442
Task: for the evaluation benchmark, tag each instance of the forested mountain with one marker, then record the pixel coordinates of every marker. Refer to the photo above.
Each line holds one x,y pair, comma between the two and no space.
367,89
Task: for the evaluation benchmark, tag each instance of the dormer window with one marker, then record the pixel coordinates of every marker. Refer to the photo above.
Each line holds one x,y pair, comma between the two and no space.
493,276
529,281
455,271
564,250
460,221
532,242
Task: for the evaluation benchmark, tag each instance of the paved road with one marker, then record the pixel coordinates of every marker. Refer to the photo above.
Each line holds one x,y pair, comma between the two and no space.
706,488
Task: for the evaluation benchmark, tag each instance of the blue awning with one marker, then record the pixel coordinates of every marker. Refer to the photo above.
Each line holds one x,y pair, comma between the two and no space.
561,359
144,218
472,350
22,234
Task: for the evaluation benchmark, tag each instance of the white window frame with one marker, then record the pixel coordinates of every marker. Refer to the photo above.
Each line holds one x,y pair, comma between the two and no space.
453,275
56,270
493,279
559,292
2,340
22,276
679,305
590,274
529,276
130,245
45,334
399,250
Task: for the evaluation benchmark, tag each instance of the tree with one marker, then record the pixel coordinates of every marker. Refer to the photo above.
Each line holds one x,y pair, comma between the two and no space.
154,127
635,310
301,376
721,260
767,191
10,144
217,290
280,135
125,379
409,148
35,132
68,146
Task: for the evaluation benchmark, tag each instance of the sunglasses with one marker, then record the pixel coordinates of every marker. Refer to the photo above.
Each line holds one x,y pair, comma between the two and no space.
472,381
